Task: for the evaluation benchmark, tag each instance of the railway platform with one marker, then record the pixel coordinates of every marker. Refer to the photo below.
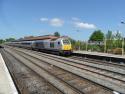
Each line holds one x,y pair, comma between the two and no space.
99,55
6,83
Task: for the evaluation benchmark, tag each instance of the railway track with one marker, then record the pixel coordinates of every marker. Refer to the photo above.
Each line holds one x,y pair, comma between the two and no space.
120,70
102,62
74,83
56,82
113,67
26,80
93,63
107,73
109,79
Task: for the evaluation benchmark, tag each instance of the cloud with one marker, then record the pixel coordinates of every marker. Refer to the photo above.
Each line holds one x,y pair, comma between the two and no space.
83,25
56,22
44,19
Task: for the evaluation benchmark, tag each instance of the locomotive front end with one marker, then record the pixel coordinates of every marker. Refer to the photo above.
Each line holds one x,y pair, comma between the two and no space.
66,47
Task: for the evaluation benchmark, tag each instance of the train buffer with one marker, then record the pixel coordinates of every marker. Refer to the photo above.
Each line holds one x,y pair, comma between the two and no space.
6,83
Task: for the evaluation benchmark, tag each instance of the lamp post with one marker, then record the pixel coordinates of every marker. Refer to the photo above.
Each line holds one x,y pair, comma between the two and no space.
105,45
86,45
123,41
123,46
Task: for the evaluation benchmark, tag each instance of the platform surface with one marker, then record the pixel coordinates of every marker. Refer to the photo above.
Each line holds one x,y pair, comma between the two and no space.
6,83
100,54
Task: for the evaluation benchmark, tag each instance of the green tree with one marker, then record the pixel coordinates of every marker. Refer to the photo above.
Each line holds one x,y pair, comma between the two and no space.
118,39
97,35
10,39
72,42
78,45
57,34
113,41
109,35
1,41
109,41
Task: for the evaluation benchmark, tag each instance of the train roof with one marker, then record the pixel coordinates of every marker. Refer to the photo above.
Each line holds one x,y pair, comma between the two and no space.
46,37
39,38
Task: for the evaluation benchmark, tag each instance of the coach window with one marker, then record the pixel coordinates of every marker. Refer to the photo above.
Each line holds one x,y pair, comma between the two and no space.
51,44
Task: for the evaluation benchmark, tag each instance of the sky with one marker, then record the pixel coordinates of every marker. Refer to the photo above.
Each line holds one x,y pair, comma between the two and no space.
74,18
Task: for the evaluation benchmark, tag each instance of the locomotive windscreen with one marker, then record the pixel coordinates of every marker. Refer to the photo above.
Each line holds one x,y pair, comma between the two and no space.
66,42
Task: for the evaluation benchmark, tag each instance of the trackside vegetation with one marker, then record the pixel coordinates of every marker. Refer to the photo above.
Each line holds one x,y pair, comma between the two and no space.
110,42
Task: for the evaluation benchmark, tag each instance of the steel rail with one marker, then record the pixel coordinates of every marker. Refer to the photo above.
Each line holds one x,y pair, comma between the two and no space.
101,66
25,56
95,77
22,87
58,83
119,76
101,62
104,72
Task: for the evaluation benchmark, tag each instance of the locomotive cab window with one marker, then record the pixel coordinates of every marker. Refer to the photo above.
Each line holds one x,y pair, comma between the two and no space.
66,42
